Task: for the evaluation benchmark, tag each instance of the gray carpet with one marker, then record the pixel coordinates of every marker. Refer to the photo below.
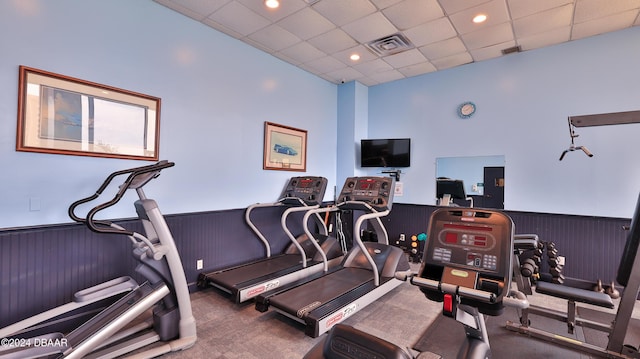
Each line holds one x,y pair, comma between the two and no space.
227,330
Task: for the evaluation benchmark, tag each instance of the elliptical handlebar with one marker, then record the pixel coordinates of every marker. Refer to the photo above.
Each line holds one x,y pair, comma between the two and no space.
138,177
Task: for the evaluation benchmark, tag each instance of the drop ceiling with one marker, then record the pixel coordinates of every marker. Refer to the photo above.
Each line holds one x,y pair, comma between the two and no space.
398,39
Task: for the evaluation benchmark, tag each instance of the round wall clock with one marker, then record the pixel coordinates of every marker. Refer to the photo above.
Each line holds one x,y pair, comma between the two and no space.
466,109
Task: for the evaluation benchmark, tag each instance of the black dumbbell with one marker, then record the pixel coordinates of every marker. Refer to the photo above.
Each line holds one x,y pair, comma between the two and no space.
528,268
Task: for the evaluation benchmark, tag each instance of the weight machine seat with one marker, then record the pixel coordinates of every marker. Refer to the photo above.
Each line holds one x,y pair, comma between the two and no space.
346,342
575,294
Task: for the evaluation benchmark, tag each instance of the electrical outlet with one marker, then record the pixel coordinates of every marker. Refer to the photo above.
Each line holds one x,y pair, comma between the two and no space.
199,264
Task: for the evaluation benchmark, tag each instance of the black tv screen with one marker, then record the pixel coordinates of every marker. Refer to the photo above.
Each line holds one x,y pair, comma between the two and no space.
392,152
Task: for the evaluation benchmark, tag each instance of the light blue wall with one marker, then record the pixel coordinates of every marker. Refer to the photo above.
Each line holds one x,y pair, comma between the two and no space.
217,92
523,101
216,95
352,126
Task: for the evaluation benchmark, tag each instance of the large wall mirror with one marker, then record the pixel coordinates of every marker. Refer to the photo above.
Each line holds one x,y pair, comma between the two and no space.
483,178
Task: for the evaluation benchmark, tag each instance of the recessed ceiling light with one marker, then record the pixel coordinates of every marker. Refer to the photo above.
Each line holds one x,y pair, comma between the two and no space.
354,57
272,4
480,18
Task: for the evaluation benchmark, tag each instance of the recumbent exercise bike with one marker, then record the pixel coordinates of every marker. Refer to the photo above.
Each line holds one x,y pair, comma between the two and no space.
467,265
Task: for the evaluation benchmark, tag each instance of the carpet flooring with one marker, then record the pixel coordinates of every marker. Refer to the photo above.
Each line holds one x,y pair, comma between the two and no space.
403,316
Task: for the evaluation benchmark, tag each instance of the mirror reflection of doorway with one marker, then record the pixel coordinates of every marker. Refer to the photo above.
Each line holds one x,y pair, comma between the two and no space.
493,196
486,189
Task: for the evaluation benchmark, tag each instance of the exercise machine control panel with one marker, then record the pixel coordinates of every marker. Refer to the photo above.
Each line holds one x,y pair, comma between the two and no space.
470,248
308,189
377,192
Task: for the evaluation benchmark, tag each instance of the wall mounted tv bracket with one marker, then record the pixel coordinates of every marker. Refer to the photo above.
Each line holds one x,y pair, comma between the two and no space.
394,173
604,119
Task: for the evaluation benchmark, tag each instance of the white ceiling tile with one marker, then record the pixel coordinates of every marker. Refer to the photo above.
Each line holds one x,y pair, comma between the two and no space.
370,28
522,8
303,52
417,69
239,18
287,59
452,61
344,75
306,24
365,55
332,41
182,9
495,10
444,48
543,39
223,29
274,37
543,21
257,45
410,57
488,36
325,64
386,76
591,9
341,12
605,24
197,9
383,4
411,13
454,6
285,9
491,52
430,32
374,66
368,81
305,34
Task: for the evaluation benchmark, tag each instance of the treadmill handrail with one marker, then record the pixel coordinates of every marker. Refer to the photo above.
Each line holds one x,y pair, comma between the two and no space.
379,227
305,227
319,221
359,221
263,239
283,222
247,218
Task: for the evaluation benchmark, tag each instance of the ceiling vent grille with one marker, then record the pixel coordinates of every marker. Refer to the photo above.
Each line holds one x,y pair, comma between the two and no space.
390,45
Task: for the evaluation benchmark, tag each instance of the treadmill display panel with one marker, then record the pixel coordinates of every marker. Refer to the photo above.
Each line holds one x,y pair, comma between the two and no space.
474,246
377,192
309,190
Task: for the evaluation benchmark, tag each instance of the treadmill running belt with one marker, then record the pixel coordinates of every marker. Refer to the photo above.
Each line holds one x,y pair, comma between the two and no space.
301,300
236,276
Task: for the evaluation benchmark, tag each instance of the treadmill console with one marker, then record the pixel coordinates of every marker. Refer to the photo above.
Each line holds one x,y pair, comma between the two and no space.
470,248
308,189
374,191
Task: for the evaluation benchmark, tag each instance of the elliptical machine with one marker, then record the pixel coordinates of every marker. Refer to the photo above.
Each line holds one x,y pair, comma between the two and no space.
113,332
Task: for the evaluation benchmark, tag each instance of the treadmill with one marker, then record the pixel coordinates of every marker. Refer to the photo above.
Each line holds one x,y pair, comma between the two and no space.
365,274
305,255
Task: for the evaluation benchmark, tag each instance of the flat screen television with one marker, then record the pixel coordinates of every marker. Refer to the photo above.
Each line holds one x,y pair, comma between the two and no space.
391,152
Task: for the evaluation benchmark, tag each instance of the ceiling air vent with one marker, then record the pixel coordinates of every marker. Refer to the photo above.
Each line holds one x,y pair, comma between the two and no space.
511,50
390,45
